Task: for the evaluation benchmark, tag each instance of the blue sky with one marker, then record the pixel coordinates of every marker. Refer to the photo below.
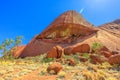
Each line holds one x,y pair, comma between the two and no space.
30,17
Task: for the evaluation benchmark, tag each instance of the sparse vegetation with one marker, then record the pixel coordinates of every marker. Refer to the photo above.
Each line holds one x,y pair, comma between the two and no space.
86,55
96,47
47,60
81,71
9,44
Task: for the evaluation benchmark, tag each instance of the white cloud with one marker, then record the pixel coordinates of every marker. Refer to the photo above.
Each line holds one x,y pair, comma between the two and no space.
82,10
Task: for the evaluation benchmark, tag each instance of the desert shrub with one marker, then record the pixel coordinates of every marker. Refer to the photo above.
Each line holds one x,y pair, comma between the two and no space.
47,60
75,57
96,46
86,55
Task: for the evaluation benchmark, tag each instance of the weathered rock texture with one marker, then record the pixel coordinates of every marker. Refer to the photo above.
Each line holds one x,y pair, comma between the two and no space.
112,27
97,58
82,48
71,62
56,67
68,29
114,59
55,52
17,51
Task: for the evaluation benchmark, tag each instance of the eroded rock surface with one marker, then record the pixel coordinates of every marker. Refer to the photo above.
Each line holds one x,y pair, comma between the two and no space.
56,67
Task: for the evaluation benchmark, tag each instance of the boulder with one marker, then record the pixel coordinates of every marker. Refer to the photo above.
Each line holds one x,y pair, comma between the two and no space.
55,52
59,51
56,67
106,54
17,51
114,59
68,50
71,62
97,59
84,48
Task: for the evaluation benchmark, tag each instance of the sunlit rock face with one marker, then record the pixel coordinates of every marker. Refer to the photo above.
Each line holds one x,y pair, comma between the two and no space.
67,26
68,29
112,27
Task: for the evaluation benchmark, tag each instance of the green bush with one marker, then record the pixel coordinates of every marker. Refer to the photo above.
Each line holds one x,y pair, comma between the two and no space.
96,46
47,60
86,55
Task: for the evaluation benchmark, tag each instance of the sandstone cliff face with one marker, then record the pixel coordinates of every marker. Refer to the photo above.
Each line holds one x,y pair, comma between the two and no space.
112,27
68,24
107,39
68,29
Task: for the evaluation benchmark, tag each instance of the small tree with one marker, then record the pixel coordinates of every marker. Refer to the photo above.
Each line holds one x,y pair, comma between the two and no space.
9,44
18,40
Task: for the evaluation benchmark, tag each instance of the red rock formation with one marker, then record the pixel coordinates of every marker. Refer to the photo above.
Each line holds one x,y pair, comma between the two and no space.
16,51
115,52
104,48
107,54
68,50
66,30
55,52
71,62
83,48
112,27
114,59
97,59
56,67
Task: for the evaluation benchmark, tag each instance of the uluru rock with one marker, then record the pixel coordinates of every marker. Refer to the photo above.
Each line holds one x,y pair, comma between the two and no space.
55,52
68,29
56,67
